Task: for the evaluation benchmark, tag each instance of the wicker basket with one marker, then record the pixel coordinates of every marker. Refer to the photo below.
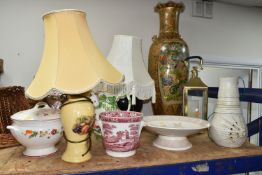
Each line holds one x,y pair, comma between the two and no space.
12,100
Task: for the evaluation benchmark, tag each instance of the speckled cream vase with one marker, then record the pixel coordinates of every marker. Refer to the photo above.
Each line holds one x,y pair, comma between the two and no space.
228,127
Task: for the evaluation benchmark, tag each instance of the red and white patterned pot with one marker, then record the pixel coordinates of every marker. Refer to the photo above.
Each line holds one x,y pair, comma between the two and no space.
121,132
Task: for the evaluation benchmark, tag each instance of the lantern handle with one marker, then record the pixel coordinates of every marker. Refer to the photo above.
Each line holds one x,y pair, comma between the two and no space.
196,57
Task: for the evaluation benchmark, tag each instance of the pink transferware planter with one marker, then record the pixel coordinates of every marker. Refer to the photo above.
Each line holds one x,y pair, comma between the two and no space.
121,132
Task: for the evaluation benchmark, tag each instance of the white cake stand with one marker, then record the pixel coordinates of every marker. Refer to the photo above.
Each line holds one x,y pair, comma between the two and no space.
173,130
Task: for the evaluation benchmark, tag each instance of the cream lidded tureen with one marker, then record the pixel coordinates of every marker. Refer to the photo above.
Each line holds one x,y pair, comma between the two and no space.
38,129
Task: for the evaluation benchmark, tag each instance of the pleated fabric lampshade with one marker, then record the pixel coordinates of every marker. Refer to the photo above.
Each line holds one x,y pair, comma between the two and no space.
71,62
126,56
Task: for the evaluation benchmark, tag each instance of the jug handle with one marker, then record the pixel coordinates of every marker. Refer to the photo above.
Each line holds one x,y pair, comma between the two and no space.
195,57
141,126
118,97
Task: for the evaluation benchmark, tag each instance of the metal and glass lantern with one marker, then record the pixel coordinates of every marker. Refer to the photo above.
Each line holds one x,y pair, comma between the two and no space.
195,97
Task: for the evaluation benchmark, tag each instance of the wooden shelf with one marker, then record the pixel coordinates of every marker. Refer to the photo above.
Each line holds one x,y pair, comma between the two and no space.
147,160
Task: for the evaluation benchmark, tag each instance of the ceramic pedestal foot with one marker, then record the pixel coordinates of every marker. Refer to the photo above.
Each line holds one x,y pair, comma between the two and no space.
39,152
172,143
120,154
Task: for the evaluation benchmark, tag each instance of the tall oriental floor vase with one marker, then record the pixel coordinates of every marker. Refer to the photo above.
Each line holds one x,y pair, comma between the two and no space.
167,61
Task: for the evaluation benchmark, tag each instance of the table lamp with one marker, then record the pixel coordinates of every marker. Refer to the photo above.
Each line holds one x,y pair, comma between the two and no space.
72,65
126,56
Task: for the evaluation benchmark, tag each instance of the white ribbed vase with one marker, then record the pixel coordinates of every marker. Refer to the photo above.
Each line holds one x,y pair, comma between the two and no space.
228,127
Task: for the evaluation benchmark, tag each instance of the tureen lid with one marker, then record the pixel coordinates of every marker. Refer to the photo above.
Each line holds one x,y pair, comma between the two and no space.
40,112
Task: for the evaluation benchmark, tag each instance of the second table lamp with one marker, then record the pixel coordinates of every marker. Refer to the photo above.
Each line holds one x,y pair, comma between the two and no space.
126,56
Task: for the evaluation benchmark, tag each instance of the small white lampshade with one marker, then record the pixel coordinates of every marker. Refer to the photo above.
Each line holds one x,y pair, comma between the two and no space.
126,56
71,62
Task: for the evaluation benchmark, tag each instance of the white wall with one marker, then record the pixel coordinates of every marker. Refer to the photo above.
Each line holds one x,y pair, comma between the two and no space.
233,35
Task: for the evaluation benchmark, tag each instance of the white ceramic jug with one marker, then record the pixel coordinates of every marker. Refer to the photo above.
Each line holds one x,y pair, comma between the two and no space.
228,127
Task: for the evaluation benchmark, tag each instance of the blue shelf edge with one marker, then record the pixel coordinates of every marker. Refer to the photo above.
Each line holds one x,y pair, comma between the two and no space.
246,94
212,167
255,127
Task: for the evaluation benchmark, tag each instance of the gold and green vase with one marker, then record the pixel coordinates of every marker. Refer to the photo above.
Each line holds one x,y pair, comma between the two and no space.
168,61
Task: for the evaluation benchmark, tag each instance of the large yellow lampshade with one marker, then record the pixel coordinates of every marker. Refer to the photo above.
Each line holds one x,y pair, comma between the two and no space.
71,62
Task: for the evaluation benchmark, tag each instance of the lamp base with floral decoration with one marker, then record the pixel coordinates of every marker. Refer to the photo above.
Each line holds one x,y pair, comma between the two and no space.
78,118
